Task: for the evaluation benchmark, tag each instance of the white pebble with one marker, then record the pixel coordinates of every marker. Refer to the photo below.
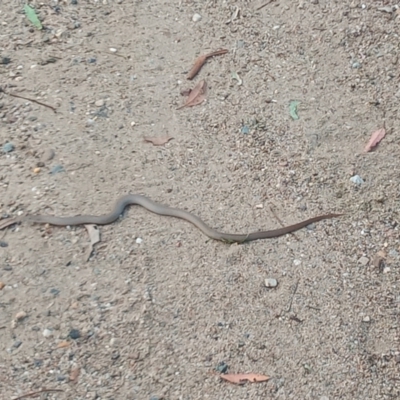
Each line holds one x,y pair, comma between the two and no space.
47,333
20,315
296,262
271,282
139,240
196,17
113,49
99,103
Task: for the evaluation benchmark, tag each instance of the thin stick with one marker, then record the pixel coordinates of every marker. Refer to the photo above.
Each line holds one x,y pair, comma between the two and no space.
292,297
24,396
264,5
26,98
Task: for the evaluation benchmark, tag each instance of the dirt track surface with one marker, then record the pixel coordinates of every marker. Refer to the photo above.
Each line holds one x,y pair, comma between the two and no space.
159,307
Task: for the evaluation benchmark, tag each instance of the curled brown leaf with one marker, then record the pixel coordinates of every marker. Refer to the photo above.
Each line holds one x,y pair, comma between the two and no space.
240,379
376,137
196,96
199,62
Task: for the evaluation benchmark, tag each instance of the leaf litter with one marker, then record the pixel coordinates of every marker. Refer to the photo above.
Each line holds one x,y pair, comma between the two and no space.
241,379
376,137
199,62
31,15
158,140
196,96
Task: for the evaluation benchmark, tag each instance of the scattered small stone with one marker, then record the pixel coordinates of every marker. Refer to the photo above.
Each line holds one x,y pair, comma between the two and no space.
245,130
91,60
386,270
74,2
47,155
222,367
3,243
55,291
19,316
16,344
56,169
61,378
5,60
115,355
2,284
271,283
356,179
139,240
36,170
296,262
37,363
74,334
89,122
366,319
259,206
8,147
113,341
47,333
363,260
113,49
99,103
196,17
356,65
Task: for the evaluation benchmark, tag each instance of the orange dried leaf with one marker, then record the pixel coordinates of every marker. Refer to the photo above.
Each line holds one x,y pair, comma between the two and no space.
196,96
199,62
63,344
376,137
158,140
240,379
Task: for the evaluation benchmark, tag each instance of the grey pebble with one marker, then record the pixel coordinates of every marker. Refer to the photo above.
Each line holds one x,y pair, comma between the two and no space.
56,169
3,244
55,291
8,147
222,367
61,378
47,155
74,334
357,180
16,344
363,260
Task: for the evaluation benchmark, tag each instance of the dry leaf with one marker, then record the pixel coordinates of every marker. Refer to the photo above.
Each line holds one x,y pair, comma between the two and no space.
159,140
196,96
94,235
199,62
240,379
74,374
376,137
63,344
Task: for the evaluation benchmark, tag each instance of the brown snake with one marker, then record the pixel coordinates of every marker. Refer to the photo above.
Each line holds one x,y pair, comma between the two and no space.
159,209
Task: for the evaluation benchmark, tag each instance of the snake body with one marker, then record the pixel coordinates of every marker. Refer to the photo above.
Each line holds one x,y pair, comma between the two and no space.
160,209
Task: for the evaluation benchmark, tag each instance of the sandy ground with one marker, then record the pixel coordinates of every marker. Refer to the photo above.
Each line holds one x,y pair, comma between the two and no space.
159,309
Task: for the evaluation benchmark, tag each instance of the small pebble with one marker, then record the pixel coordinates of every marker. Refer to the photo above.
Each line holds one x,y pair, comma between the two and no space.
99,103
8,147
222,367
20,315
47,155
47,333
357,180
55,291
36,170
37,363
56,169
113,49
3,243
363,260
366,319
196,17
296,262
74,334
2,284
61,378
16,344
271,282
139,240
91,60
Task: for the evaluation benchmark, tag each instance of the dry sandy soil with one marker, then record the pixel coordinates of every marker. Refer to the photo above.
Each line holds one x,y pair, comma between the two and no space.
160,310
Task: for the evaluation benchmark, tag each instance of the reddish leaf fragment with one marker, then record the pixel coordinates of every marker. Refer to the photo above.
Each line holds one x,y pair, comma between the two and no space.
196,96
158,140
240,379
74,374
376,137
199,62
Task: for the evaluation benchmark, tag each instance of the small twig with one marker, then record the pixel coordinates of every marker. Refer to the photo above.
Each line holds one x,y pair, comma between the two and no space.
24,396
292,297
280,221
264,5
33,100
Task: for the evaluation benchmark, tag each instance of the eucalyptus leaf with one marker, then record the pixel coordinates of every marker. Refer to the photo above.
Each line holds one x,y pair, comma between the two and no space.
31,15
